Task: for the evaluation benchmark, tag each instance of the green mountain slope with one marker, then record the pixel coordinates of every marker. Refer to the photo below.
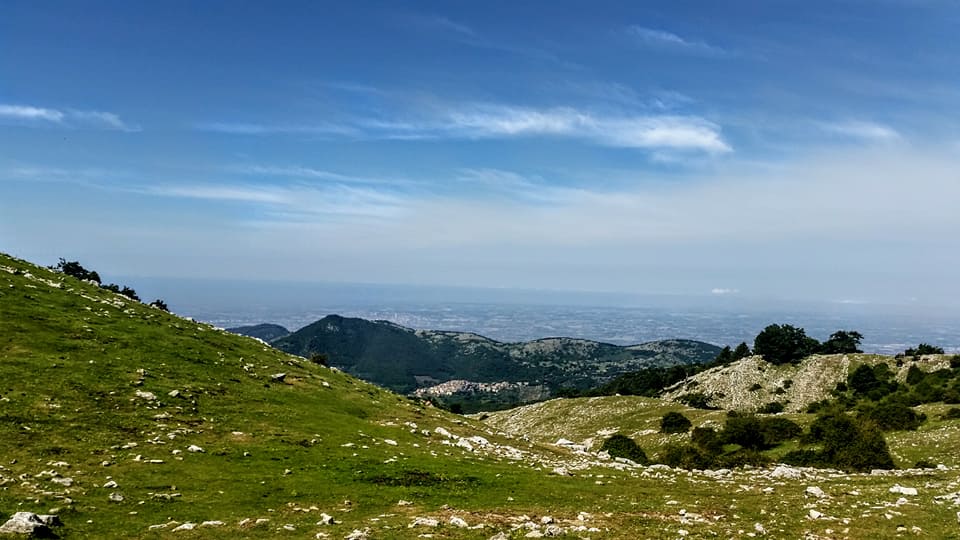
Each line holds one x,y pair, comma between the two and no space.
404,359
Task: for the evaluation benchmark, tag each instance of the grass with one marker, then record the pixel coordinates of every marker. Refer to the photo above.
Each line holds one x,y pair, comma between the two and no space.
73,358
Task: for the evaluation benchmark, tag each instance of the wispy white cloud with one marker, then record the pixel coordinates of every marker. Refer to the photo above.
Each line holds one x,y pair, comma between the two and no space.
861,130
662,39
291,203
492,121
66,118
312,173
26,112
246,128
645,132
721,291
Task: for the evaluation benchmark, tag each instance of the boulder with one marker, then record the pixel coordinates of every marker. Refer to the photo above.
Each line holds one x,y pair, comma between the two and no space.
28,523
897,488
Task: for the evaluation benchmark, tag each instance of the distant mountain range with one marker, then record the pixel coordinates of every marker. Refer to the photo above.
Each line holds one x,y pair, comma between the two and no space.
405,360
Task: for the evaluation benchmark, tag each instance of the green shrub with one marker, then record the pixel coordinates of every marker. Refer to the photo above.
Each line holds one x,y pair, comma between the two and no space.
741,457
755,387
922,349
685,456
778,430
707,439
697,400
621,446
803,458
848,444
893,416
745,431
773,407
674,422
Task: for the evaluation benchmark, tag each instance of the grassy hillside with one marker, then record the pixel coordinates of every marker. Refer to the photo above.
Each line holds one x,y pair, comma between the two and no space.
404,359
106,404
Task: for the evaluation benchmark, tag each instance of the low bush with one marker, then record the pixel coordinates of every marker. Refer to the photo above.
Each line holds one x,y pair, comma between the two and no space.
674,422
621,446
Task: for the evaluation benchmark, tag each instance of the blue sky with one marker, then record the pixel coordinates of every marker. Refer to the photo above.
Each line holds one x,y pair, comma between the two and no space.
777,148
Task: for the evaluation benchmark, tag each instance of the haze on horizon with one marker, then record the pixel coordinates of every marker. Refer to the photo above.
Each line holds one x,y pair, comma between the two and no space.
804,150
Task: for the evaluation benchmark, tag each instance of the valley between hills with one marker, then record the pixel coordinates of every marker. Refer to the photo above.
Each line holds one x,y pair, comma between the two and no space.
121,420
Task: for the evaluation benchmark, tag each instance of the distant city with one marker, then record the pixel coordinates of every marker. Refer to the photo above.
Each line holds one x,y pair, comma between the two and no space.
510,315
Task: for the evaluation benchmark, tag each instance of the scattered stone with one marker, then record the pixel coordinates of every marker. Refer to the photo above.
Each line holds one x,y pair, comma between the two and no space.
358,534
457,521
26,523
897,488
195,448
533,534
110,485
64,481
174,393
815,491
185,527
115,497
278,377
423,522
289,527
813,514
326,519
212,523
147,396
784,471
500,536
391,442
402,502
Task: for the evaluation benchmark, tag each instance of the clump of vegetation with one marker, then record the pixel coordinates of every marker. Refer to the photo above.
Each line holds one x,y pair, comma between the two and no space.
784,344
697,400
845,442
922,349
728,355
621,446
674,422
773,407
893,416
756,387
740,443
75,269
842,342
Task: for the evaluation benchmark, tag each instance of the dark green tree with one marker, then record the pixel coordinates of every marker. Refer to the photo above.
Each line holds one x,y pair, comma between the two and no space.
783,344
620,445
842,342
922,349
724,357
742,351
160,304
674,422
75,269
